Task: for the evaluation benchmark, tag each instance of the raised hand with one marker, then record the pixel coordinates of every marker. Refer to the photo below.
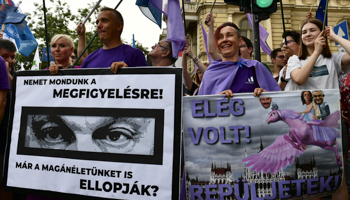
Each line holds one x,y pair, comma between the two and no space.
320,43
209,20
80,29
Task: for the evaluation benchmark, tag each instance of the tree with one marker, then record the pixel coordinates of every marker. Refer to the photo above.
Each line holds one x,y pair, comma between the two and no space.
58,18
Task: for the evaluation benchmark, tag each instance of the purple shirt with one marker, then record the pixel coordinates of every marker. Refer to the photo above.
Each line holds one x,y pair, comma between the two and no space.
245,80
103,58
237,76
75,67
4,77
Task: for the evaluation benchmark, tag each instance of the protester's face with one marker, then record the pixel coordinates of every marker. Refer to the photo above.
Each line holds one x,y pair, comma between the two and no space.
266,102
159,49
2,7
61,51
228,42
318,97
8,56
307,97
292,44
200,74
73,57
91,133
280,60
244,50
107,27
309,33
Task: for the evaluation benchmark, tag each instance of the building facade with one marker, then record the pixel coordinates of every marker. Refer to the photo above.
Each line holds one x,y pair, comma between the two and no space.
294,14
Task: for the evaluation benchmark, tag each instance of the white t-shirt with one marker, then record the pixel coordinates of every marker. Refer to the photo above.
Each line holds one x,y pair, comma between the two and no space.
324,75
281,75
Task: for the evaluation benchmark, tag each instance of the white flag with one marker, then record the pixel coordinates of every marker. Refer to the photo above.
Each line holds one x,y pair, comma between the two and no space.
36,61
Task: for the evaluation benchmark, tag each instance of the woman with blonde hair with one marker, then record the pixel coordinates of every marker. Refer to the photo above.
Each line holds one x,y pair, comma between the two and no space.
62,48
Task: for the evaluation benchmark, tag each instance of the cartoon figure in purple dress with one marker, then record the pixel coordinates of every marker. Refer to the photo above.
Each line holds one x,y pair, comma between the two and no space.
301,133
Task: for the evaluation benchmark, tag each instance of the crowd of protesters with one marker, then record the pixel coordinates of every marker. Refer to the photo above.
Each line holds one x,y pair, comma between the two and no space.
232,71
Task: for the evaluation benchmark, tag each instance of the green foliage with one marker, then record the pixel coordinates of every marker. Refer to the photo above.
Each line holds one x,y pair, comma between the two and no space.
59,16
139,46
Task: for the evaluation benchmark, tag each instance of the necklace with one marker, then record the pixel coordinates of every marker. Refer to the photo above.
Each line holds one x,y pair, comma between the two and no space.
64,67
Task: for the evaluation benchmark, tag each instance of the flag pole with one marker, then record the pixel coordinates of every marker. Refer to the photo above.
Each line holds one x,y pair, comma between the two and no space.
87,46
325,16
212,6
46,36
284,25
183,15
91,12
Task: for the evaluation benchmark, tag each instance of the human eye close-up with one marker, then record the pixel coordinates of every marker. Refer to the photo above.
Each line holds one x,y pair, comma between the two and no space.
126,135
51,133
117,137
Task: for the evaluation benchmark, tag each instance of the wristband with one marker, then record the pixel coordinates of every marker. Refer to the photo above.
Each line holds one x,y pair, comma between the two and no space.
283,80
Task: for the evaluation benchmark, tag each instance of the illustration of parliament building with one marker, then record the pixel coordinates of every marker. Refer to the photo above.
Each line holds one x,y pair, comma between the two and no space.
223,175
218,175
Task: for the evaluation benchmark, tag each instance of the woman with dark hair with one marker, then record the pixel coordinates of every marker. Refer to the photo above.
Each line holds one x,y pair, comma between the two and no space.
311,111
233,74
316,67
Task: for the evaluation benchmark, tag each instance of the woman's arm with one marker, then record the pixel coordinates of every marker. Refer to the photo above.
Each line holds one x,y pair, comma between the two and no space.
196,60
345,61
186,75
307,109
209,21
301,75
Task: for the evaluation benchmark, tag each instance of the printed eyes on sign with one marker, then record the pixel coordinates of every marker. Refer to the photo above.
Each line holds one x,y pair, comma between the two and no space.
53,135
110,134
115,136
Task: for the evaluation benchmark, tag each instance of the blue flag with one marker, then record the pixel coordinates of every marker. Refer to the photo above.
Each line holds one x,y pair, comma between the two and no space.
25,41
4,10
9,2
14,18
321,10
175,25
44,55
150,11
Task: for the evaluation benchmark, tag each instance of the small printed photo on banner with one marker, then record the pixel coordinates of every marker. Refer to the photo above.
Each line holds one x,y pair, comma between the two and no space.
77,131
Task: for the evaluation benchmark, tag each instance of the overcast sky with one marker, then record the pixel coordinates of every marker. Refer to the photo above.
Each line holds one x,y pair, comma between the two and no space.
145,31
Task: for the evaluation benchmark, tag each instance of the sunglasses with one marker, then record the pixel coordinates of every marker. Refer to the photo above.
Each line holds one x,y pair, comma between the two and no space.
157,44
288,42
